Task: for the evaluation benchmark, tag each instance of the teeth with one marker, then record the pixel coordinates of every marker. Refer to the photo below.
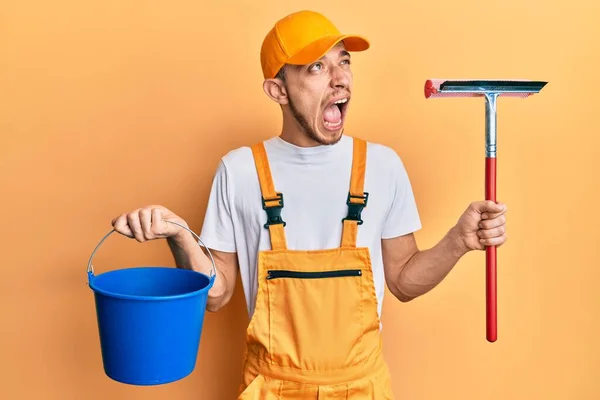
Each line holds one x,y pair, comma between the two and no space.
332,125
341,101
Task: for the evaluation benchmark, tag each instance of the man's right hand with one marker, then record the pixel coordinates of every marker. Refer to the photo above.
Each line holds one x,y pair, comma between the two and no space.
149,223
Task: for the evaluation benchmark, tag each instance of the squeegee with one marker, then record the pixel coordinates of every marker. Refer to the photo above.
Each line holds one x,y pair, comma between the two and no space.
490,90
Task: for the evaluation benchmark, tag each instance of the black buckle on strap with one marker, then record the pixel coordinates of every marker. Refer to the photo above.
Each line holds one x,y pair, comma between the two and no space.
355,209
273,212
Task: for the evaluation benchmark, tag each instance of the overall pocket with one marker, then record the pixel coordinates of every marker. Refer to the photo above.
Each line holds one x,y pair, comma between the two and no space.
261,388
315,317
284,273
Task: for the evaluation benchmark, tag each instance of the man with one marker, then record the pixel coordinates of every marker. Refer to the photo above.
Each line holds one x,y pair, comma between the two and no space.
316,223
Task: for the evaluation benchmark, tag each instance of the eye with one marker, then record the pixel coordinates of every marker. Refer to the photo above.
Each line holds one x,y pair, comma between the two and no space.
314,67
346,61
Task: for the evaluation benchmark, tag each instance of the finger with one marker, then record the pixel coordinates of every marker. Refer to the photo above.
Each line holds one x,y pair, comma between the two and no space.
495,241
493,223
135,225
145,216
486,216
120,225
489,216
158,225
491,233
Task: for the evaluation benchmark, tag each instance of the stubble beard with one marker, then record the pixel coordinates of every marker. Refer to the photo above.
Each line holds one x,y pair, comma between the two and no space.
308,130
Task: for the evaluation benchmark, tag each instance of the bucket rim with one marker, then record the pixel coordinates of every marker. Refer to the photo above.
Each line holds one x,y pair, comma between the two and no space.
96,289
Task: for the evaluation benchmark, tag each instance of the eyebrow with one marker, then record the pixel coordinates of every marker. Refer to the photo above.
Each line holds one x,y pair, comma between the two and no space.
343,53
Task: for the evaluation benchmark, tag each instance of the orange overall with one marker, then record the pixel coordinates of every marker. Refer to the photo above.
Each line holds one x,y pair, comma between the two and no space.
314,333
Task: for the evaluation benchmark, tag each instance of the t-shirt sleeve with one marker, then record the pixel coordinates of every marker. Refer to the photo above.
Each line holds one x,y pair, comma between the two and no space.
403,215
217,229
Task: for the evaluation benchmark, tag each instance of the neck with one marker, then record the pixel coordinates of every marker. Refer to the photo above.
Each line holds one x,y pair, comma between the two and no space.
293,133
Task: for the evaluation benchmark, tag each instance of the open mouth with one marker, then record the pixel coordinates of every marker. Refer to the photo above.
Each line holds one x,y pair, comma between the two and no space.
333,115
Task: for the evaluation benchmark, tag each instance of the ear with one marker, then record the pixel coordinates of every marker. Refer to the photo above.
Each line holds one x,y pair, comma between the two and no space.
275,89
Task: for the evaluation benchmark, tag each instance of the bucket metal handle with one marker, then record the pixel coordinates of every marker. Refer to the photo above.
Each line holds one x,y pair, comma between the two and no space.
90,268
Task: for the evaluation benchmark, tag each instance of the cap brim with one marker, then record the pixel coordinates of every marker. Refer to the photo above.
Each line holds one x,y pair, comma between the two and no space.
319,48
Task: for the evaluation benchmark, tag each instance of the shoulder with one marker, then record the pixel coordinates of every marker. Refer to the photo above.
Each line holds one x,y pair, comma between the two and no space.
237,158
241,158
381,156
237,168
377,150
235,163
385,166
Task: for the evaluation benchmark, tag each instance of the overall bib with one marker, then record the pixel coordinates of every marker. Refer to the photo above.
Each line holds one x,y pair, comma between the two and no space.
314,333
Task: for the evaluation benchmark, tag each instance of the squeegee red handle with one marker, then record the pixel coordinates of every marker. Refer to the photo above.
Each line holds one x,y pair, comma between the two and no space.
490,259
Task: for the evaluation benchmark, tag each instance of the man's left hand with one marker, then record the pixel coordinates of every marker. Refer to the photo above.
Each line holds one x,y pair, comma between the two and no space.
482,224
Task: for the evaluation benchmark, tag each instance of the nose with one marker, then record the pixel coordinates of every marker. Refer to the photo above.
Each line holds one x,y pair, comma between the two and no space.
339,78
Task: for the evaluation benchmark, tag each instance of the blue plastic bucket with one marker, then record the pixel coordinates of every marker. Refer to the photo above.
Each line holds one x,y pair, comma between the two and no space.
150,320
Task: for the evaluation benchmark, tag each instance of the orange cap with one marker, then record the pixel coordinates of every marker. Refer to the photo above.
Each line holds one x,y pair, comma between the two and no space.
302,38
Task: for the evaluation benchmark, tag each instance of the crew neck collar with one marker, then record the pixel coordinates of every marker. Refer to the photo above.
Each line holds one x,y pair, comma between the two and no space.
314,154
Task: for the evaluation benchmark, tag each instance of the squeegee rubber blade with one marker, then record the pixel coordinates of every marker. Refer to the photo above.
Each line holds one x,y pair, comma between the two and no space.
493,86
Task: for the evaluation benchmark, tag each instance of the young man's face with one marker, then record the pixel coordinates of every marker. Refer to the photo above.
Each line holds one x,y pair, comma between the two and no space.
311,91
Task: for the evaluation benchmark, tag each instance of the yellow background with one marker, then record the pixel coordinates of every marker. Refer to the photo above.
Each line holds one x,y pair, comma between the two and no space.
108,106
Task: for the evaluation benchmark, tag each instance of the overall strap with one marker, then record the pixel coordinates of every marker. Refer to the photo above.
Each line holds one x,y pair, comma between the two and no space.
272,201
357,198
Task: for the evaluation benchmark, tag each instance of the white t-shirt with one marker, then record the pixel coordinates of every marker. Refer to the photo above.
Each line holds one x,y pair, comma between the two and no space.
314,182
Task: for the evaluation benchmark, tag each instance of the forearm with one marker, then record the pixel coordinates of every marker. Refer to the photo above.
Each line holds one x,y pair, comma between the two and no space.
427,268
189,255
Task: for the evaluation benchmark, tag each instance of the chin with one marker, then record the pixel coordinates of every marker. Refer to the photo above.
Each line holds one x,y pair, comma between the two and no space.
329,137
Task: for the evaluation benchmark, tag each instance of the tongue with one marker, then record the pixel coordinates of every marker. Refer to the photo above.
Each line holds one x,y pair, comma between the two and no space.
332,114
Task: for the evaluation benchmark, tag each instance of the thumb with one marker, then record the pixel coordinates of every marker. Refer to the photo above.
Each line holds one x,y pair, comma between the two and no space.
489,207
167,223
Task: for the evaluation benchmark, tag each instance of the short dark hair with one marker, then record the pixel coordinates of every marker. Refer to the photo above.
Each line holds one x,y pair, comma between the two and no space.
281,73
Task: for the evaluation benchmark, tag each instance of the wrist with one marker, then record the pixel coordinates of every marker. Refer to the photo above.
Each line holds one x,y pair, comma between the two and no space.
182,238
456,242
